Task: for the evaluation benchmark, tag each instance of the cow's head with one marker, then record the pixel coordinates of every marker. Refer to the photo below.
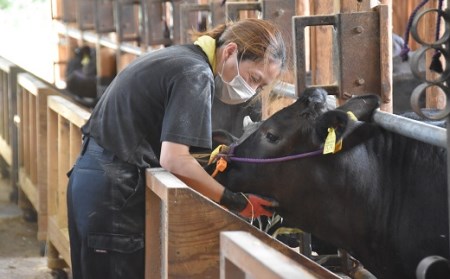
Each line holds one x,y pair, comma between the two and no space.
299,128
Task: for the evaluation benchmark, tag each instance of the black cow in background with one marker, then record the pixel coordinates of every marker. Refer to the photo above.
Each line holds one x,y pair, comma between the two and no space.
403,79
81,76
231,117
383,197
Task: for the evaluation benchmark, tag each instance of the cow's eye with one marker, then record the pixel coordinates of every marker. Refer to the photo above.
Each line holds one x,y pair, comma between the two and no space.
271,137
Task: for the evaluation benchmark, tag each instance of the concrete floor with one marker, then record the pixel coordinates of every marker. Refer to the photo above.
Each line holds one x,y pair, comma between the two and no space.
19,248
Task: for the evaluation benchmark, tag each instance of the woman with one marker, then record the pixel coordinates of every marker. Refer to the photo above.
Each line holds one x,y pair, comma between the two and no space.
150,116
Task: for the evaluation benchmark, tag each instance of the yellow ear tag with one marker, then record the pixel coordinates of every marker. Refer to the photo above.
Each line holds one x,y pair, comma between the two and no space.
330,142
85,60
352,116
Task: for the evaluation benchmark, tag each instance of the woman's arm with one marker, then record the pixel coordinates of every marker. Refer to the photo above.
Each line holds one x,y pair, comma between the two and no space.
176,159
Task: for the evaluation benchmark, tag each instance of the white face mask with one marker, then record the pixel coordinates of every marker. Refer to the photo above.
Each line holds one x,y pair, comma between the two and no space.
236,91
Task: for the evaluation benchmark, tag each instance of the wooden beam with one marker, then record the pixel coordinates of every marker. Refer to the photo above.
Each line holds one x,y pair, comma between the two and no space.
256,259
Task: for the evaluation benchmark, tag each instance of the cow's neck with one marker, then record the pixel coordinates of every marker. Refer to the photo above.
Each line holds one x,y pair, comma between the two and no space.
400,197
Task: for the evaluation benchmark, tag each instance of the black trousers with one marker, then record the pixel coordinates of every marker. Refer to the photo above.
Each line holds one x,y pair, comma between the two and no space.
106,213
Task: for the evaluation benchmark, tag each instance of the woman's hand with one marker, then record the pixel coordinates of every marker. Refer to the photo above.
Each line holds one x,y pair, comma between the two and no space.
248,205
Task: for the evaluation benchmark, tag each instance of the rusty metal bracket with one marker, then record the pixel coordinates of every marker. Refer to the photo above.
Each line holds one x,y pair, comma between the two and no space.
280,12
356,40
104,16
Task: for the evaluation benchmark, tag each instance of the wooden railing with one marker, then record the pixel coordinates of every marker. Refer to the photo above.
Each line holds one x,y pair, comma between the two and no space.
8,132
183,232
243,255
32,121
64,120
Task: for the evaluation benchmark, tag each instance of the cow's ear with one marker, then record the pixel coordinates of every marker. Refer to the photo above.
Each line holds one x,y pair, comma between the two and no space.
362,107
335,119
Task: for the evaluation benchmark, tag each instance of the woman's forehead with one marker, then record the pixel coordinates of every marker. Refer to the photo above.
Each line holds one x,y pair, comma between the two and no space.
267,71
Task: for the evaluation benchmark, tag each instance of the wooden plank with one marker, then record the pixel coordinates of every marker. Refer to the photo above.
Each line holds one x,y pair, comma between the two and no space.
304,9
322,71
153,245
59,238
74,144
256,259
5,151
32,140
188,226
435,97
25,130
63,167
64,120
30,83
42,155
33,95
386,79
69,110
4,112
6,65
106,65
29,188
52,161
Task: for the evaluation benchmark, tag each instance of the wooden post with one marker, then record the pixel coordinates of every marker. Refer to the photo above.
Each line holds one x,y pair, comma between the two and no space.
32,111
385,11
435,98
321,46
64,143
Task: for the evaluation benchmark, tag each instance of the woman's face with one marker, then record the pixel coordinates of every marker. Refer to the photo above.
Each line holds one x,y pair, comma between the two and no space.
256,74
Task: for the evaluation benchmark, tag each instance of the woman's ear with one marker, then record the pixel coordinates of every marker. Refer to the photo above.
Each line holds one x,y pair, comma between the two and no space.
229,50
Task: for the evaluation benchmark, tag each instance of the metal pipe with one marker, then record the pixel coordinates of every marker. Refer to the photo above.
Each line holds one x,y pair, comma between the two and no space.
448,159
411,128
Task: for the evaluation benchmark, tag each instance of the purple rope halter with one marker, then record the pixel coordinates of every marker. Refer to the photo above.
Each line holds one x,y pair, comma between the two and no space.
230,157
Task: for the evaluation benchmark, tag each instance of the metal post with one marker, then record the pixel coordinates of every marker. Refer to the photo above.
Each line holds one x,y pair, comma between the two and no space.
448,158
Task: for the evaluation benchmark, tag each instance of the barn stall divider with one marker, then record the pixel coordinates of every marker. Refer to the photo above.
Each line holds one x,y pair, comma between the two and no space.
183,233
31,120
64,120
8,131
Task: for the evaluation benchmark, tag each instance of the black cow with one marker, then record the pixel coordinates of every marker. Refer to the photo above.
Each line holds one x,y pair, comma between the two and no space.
81,75
383,197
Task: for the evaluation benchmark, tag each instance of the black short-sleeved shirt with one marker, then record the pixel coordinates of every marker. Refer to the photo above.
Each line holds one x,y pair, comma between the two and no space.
164,95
